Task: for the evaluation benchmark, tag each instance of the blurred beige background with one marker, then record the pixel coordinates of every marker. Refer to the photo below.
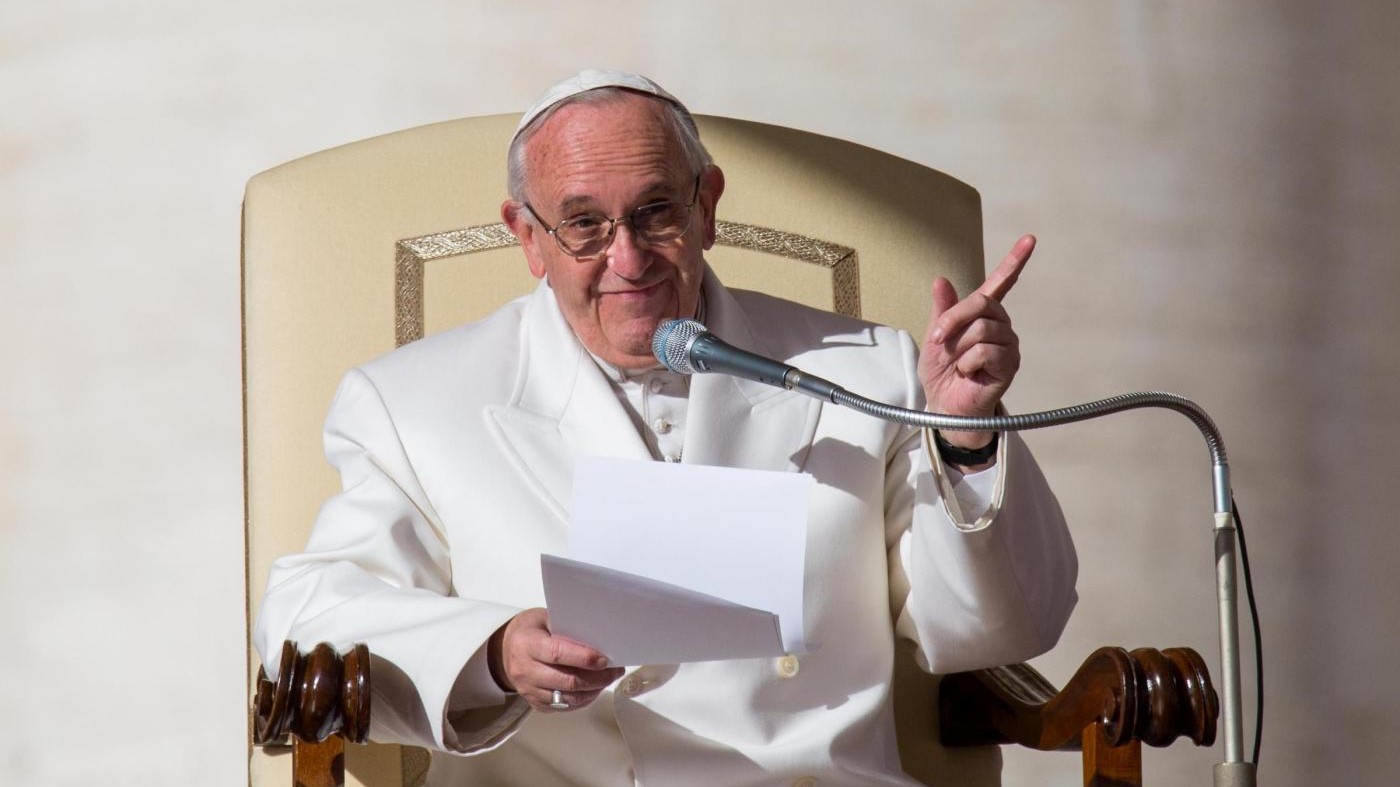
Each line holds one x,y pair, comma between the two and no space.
1216,190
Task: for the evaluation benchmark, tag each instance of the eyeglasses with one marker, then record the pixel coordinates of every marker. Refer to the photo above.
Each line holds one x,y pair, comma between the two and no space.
590,234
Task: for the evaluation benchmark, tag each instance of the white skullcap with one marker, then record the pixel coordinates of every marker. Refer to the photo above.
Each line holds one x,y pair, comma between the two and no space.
591,79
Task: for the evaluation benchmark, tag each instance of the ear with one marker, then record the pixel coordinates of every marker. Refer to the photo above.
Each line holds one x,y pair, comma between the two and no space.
521,225
711,188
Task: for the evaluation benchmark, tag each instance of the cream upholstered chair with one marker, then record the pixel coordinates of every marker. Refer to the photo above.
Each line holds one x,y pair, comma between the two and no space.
353,250
350,251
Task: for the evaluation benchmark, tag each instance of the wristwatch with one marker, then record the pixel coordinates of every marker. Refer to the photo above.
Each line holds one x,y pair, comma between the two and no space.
964,457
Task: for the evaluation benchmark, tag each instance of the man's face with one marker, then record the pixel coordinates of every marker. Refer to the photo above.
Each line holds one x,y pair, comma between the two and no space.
610,159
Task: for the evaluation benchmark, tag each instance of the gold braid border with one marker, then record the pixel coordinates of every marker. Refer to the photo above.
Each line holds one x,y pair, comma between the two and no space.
842,260
410,254
414,765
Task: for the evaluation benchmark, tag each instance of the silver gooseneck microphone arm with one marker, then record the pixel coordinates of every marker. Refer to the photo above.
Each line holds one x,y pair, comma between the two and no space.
685,346
1234,771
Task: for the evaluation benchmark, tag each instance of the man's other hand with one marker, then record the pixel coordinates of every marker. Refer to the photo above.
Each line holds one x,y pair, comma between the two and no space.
526,658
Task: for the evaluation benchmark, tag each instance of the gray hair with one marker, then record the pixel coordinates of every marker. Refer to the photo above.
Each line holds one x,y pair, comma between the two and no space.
678,117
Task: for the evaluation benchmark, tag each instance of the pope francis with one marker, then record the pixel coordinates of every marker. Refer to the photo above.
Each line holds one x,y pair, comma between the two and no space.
456,455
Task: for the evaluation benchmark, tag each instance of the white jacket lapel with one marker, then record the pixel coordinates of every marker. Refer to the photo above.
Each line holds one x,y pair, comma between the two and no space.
733,422
562,407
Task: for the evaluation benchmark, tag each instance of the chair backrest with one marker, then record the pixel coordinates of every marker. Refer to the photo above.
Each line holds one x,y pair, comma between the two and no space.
352,250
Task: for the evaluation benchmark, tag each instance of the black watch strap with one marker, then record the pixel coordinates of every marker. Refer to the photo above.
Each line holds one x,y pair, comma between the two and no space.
963,457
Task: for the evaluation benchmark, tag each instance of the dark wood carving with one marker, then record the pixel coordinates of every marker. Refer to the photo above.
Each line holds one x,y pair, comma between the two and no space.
319,764
1116,701
1110,766
316,695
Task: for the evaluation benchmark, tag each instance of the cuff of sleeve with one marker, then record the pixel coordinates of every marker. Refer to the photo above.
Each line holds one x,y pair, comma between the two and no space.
475,687
971,501
479,715
476,730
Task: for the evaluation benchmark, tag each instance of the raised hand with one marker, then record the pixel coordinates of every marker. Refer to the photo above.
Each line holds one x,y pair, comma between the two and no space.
970,353
527,659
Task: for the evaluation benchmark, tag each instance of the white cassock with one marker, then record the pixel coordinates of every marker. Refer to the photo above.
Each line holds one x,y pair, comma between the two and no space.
457,453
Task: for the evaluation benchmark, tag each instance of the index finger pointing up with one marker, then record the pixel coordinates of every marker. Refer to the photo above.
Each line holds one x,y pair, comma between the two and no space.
1000,281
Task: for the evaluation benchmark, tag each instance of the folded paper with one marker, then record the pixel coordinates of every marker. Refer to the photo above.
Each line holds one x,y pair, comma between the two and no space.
713,549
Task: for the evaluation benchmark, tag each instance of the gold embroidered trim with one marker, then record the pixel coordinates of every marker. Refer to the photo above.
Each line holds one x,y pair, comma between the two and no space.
413,765
410,254
842,260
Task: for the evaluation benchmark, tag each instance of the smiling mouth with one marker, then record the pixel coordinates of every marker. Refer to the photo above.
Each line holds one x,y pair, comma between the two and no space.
640,292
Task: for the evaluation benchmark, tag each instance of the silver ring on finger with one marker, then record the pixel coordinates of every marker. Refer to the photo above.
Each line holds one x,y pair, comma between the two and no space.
557,701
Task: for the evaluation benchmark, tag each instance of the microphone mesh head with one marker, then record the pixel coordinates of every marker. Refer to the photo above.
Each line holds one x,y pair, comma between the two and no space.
671,344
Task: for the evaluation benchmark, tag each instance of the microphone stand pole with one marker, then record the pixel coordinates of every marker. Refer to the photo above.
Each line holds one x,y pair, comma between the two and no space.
1234,771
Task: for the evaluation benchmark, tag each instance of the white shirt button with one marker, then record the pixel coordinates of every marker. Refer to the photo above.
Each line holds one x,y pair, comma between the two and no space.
657,384
630,685
673,457
805,781
787,667
661,425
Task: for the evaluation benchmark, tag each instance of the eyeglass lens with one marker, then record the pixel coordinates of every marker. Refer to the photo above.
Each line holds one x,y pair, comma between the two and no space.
656,223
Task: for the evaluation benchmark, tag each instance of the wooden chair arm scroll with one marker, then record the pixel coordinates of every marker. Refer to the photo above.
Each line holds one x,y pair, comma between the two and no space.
323,700
1116,702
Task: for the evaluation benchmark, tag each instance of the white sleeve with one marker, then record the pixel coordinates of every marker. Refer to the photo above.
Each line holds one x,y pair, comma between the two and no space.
377,570
980,576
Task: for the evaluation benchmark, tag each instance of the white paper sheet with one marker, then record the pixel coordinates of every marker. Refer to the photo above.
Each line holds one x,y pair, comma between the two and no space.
737,536
634,620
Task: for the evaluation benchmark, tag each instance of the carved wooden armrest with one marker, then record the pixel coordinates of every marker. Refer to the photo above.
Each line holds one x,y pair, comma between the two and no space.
322,699
317,695
1114,703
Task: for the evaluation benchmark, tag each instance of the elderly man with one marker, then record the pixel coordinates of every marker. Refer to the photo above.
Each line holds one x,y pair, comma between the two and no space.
456,454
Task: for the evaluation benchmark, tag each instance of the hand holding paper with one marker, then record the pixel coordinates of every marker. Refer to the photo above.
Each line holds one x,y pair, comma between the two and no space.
532,661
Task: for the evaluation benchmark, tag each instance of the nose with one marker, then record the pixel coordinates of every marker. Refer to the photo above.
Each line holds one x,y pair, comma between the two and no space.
629,255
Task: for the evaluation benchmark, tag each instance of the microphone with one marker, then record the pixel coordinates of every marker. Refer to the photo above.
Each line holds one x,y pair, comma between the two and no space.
686,347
